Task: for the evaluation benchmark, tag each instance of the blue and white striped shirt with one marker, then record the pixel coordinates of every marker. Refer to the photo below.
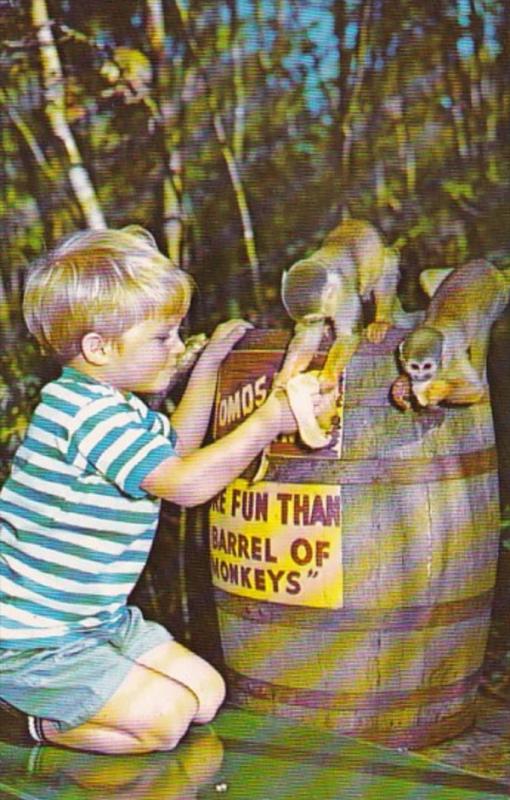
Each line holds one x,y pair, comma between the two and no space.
75,526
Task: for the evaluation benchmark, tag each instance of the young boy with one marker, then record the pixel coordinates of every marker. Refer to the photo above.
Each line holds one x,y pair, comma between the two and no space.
79,510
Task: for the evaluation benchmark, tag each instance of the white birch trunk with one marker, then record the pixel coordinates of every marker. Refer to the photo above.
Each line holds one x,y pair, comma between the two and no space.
55,106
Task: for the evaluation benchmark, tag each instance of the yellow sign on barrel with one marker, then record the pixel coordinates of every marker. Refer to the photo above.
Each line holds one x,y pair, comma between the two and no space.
278,543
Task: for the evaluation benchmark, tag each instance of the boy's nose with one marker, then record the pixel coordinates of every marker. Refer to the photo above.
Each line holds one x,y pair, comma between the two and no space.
179,346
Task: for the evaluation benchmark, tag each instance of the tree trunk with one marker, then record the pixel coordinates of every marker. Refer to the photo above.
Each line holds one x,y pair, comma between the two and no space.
232,166
55,107
173,214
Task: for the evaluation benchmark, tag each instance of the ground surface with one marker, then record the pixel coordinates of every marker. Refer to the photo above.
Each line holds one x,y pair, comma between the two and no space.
483,750
243,756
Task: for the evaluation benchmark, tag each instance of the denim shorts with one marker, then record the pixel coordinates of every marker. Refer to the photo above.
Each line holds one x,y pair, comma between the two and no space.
70,684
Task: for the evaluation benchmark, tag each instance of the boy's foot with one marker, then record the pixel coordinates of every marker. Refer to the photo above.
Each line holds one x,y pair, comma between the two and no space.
14,725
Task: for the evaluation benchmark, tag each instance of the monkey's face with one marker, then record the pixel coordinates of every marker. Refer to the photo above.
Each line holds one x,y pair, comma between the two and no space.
421,371
420,354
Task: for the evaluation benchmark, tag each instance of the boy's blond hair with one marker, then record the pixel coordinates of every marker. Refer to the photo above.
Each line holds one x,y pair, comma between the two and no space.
104,281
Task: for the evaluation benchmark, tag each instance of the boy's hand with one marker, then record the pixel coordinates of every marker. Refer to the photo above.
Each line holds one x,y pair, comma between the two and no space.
279,400
307,404
226,335
316,402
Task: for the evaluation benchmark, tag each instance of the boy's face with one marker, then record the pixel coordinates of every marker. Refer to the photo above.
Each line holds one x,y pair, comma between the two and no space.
145,358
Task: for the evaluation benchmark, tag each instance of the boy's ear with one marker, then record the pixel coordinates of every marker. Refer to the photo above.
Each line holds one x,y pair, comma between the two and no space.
95,349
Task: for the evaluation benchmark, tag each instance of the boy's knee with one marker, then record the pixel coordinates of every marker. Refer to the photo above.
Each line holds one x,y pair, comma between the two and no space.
166,735
212,695
168,728
172,724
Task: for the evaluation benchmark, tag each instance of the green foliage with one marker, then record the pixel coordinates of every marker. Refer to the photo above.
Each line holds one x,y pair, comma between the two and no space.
22,373
505,531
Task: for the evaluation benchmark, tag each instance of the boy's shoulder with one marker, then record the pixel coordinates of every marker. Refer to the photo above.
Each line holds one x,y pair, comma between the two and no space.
77,394
73,397
76,387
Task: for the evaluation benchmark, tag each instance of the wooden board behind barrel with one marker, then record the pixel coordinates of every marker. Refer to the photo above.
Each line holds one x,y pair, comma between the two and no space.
400,662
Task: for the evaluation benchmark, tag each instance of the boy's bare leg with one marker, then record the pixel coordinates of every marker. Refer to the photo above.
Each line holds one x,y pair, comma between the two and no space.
165,691
185,667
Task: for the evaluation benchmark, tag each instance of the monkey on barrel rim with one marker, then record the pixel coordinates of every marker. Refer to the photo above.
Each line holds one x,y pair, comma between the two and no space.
444,358
351,266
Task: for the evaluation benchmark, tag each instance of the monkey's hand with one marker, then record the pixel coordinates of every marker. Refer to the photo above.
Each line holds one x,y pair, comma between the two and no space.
302,348
401,393
376,331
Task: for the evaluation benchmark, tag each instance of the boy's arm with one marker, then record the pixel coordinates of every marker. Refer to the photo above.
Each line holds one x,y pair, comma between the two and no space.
191,418
195,478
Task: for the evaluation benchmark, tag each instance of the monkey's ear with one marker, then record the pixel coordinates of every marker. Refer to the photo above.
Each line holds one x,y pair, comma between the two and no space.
401,350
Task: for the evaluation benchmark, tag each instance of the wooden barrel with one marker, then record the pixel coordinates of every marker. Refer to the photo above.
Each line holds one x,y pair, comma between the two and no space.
395,654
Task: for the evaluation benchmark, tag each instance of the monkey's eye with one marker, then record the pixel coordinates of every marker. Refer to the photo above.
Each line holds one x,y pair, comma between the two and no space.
428,365
414,365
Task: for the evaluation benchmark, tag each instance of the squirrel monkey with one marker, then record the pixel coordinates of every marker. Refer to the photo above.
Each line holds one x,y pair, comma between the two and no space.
445,357
351,265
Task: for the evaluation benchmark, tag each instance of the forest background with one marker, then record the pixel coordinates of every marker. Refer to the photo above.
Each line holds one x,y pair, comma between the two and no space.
239,132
